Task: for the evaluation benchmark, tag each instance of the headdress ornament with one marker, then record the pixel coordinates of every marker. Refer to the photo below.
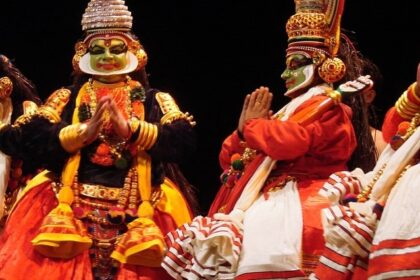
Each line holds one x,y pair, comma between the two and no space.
108,19
314,31
106,14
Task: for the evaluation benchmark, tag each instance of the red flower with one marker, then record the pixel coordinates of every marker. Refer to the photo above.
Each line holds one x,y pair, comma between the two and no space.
103,150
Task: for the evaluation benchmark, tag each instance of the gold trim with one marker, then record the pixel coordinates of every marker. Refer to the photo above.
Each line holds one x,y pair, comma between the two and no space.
6,87
99,191
404,107
55,105
412,90
170,110
147,135
3,125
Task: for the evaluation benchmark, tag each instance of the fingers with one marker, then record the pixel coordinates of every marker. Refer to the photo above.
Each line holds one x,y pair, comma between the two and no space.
118,120
114,112
257,97
97,116
100,109
103,101
259,103
242,116
263,98
246,102
266,99
253,98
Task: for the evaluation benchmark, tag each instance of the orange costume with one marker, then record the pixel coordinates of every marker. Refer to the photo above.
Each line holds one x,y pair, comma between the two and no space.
18,96
102,210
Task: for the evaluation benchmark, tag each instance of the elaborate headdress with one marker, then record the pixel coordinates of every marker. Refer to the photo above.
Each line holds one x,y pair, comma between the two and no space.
314,31
108,19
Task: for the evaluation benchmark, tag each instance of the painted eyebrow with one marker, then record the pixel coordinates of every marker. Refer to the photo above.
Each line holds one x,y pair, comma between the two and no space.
122,45
96,46
297,61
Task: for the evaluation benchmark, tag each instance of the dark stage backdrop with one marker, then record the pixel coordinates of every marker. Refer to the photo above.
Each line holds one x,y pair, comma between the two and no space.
209,54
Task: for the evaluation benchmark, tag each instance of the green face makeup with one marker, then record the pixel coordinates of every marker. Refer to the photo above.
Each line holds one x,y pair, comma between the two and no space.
298,73
108,55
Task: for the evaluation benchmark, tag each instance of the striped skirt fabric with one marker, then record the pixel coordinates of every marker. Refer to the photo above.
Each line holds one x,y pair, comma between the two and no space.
203,249
395,252
348,236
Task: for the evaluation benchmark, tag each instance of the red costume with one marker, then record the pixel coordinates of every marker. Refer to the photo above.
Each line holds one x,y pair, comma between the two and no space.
265,221
307,154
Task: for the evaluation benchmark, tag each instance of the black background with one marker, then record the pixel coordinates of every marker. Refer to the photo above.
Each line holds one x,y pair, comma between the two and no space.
209,54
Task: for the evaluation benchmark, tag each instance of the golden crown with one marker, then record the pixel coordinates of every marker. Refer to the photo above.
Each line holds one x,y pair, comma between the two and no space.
316,24
307,25
314,31
107,14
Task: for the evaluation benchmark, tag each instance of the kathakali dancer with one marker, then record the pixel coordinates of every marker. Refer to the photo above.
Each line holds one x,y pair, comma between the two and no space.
265,222
18,96
372,231
111,145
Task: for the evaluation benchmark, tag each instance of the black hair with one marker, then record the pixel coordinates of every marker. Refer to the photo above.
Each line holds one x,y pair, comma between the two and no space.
364,155
23,88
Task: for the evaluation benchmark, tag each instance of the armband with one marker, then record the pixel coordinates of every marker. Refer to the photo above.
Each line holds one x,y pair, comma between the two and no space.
171,111
54,106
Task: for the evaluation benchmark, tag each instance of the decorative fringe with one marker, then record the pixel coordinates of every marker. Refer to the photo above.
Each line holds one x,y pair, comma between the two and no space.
61,235
142,244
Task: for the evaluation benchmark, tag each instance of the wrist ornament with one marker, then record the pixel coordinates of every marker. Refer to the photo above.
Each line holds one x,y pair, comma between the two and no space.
147,134
73,137
409,103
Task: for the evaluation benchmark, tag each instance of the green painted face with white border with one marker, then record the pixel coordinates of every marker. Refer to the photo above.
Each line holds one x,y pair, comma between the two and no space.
299,74
108,56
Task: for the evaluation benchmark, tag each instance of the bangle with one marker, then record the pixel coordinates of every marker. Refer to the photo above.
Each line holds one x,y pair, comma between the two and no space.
73,137
408,104
412,95
147,135
151,140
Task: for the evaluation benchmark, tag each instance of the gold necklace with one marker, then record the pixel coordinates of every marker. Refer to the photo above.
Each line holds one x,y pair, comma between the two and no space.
111,149
93,98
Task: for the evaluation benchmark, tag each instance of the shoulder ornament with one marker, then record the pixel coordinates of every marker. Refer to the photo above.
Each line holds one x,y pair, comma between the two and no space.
30,108
54,105
170,110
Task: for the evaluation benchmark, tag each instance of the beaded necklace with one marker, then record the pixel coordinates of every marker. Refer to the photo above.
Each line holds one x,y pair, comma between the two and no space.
115,92
111,150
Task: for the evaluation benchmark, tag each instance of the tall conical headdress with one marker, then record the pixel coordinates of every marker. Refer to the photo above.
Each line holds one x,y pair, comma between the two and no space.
108,19
106,14
314,31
